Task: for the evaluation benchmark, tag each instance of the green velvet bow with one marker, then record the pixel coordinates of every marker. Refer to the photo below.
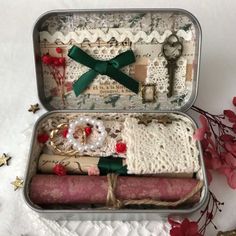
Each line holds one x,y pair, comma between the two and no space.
109,68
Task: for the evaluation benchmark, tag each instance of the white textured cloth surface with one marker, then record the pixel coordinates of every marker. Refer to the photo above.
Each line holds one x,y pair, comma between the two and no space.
18,91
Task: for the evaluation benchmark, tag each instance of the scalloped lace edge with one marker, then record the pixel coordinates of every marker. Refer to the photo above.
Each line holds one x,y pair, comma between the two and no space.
119,34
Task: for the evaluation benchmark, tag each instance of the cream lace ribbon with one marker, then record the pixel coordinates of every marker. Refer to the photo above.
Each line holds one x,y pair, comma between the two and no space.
119,34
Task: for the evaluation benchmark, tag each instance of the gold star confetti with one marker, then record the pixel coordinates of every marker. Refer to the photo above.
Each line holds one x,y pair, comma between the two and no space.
164,120
18,183
34,108
145,120
4,159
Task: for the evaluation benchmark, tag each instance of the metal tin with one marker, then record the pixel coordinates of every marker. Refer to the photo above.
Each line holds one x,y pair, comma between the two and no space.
194,56
122,214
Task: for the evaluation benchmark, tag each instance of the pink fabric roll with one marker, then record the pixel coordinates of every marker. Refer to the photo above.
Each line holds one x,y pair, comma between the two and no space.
76,189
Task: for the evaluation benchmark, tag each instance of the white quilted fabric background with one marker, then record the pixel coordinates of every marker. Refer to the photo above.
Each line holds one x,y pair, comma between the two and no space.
18,91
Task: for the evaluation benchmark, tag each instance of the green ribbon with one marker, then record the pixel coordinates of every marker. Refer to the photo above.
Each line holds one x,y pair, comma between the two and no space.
112,164
109,68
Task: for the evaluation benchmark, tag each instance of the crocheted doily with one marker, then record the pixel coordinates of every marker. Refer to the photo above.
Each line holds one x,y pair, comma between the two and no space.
157,148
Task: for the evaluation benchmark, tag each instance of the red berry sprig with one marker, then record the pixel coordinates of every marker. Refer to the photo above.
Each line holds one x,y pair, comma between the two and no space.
57,68
53,61
197,228
209,212
218,138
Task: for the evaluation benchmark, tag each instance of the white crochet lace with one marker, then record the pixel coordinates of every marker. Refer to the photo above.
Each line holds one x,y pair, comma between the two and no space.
157,73
160,149
180,75
120,34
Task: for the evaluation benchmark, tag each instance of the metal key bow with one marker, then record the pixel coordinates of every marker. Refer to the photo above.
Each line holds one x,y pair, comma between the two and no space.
109,68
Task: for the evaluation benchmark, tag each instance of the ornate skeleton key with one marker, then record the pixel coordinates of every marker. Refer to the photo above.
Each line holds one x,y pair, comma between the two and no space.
172,50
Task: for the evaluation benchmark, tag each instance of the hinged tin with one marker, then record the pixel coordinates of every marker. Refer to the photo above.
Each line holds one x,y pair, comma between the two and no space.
104,35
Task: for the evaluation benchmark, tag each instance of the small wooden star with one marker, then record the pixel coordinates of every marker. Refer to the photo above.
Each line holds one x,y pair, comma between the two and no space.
164,120
18,183
145,120
4,159
34,108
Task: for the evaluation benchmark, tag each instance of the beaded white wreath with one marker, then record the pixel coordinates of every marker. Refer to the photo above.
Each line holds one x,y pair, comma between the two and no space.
84,146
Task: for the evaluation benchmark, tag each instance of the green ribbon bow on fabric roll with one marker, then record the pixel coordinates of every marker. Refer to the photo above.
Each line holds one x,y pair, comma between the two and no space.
109,68
112,164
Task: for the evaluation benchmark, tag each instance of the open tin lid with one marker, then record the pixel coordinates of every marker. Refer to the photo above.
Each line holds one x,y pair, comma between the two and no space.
158,38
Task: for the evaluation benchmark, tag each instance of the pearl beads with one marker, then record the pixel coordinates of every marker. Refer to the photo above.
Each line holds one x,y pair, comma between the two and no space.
98,125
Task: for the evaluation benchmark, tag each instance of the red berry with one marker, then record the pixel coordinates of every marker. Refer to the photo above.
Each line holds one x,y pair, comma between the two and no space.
88,130
58,50
64,132
43,138
62,60
121,147
56,61
59,169
47,59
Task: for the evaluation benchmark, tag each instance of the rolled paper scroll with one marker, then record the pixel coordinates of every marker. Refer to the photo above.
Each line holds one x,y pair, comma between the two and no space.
81,189
80,165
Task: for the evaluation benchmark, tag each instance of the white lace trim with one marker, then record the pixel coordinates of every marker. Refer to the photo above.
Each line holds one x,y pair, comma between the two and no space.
119,34
157,73
157,148
180,75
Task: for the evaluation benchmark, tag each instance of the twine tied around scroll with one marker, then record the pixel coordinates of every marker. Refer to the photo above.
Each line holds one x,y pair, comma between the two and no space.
113,202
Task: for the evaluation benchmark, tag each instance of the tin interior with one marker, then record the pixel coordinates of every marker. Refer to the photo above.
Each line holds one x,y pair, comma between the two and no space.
58,212
143,31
